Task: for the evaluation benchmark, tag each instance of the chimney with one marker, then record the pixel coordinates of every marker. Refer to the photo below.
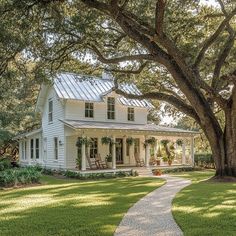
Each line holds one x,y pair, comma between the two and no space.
106,75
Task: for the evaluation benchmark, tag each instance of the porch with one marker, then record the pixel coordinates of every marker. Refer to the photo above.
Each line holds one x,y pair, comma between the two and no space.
127,146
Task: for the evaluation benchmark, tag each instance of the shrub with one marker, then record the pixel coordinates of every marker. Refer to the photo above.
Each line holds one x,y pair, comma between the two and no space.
108,175
5,164
13,177
204,160
174,170
8,178
46,171
71,174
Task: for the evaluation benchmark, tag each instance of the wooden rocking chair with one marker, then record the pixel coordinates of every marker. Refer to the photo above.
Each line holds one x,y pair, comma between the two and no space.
93,165
102,164
139,162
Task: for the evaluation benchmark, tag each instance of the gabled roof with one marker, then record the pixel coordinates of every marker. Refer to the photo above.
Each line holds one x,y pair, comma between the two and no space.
91,88
27,134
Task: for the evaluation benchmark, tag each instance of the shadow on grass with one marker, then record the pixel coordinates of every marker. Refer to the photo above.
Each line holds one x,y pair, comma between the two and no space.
206,208
65,207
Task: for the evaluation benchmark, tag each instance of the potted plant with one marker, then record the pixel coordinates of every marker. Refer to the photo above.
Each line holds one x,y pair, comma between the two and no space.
169,152
152,160
157,172
109,161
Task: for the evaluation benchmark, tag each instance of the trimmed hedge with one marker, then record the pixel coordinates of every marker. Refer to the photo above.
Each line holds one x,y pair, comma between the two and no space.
21,176
77,175
175,169
204,160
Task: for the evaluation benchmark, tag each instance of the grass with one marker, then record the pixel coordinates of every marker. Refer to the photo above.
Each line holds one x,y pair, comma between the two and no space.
205,208
71,207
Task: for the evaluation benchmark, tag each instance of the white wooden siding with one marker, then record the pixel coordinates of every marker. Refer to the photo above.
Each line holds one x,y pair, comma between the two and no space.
51,130
75,110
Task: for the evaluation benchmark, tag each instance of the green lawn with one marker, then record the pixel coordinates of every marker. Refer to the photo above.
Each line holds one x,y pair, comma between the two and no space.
70,207
206,208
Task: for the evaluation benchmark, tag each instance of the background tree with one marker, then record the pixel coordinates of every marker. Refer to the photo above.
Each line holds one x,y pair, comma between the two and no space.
180,52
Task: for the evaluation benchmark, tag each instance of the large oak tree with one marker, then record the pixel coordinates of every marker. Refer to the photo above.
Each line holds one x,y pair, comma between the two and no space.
183,52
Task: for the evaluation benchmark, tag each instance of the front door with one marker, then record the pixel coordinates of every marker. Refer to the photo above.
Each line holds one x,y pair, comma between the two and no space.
119,151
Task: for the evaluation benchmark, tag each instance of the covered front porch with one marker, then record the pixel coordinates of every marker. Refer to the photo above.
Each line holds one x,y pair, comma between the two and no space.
117,147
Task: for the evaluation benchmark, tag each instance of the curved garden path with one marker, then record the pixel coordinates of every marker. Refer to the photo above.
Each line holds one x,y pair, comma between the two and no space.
152,214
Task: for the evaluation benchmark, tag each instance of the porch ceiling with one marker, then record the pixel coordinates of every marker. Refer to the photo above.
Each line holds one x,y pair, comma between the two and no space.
140,128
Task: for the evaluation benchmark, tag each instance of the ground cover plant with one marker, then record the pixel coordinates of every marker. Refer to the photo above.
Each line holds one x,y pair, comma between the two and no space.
19,176
205,207
71,207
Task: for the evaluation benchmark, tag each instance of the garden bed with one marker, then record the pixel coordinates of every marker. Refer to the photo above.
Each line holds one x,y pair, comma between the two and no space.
16,177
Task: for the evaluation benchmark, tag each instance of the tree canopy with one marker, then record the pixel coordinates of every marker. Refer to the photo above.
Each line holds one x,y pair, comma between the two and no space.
179,52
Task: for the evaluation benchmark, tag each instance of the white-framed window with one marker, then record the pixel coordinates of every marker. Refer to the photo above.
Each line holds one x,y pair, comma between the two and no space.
111,108
130,114
37,148
50,110
89,109
55,148
23,150
32,149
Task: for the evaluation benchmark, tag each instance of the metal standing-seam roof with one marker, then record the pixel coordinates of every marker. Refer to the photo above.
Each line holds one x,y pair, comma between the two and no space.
91,88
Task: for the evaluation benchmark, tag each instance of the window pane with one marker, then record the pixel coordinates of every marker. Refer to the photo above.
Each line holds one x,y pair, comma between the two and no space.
37,148
31,148
50,110
111,108
56,148
89,109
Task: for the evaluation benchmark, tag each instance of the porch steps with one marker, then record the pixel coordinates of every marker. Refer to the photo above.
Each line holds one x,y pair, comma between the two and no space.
144,171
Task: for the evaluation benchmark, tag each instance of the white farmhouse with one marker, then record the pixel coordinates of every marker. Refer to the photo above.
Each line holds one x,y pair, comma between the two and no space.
86,108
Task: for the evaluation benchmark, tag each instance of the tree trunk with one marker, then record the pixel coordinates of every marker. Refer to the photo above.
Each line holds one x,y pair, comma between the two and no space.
224,148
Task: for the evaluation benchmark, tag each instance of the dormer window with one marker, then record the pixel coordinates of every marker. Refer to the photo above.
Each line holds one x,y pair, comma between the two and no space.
50,110
89,109
130,114
110,108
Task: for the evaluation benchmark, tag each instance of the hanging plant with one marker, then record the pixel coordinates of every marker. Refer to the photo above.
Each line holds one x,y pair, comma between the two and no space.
179,142
83,140
106,140
164,142
130,141
150,141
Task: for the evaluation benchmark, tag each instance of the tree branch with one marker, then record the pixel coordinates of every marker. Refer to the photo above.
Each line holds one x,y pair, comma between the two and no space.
221,59
120,59
159,16
182,106
213,37
138,71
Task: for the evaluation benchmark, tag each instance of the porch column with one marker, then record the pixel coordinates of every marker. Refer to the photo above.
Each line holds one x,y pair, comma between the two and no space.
183,152
83,159
113,152
155,149
147,153
192,150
